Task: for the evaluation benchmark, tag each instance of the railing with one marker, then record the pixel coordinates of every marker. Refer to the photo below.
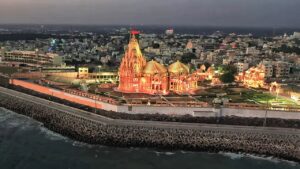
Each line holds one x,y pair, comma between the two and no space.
260,107
31,75
92,96
164,103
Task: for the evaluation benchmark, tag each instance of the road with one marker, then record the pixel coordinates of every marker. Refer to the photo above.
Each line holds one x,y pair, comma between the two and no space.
153,124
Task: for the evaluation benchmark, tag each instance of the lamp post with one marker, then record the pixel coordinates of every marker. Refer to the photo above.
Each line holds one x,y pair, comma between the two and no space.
99,68
95,99
266,114
95,110
277,92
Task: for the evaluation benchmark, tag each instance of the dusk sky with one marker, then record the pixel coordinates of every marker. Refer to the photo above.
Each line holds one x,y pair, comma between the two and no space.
255,13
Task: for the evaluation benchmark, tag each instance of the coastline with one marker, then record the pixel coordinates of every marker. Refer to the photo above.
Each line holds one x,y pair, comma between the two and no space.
280,145
28,124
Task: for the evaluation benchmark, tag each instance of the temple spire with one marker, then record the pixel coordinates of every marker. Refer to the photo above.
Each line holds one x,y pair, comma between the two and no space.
133,33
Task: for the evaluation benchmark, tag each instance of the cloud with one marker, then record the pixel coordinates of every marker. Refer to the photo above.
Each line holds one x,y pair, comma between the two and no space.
272,13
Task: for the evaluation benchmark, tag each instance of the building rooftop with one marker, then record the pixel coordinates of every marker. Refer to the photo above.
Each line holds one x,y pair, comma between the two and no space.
153,67
178,67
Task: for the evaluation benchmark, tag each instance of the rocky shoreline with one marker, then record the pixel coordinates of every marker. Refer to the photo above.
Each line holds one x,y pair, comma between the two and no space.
278,145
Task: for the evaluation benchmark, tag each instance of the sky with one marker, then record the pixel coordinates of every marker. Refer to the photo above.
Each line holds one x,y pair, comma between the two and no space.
230,13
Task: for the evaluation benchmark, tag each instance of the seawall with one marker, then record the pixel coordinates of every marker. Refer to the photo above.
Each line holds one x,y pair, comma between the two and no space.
167,110
117,133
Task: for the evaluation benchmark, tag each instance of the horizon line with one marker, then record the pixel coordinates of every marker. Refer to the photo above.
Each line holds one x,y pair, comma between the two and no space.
149,25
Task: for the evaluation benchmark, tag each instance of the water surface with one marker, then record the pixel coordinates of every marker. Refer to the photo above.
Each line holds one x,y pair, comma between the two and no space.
26,144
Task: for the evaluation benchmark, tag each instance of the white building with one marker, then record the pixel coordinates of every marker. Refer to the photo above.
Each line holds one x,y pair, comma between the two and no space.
281,69
296,35
169,32
30,58
241,67
267,68
252,51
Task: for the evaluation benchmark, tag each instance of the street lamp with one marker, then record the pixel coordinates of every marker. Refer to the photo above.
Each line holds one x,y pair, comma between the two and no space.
95,110
266,114
277,92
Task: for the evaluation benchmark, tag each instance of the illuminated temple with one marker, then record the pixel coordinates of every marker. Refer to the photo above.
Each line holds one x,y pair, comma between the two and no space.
139,76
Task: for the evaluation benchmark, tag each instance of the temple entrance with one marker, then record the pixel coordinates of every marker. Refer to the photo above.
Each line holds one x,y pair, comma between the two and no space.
274,88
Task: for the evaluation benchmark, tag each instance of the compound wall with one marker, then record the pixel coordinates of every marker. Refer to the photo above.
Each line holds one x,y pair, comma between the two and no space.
194,111
259,113
64,95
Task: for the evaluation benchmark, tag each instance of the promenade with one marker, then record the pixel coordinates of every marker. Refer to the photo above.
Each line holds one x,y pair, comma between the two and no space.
96,129
157,124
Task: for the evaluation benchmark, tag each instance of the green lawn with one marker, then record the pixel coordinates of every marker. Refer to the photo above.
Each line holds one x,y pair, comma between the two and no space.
267,99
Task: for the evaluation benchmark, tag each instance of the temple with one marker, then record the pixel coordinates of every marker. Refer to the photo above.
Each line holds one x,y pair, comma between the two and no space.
139,76
254,77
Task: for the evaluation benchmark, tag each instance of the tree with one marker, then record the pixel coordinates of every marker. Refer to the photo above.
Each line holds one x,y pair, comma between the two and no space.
207,65
228,75
187,57
287,49
156,46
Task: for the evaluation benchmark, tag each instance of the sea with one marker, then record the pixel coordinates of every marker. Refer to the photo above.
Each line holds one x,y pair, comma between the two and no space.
26,144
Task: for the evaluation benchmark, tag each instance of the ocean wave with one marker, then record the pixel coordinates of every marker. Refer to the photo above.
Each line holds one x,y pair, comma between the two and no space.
168,153
271,159
10,119
187,152
81,144
4,115
13,120
232,156
235,156
51,135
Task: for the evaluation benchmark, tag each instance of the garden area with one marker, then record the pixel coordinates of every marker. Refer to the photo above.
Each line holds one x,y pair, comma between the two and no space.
244,95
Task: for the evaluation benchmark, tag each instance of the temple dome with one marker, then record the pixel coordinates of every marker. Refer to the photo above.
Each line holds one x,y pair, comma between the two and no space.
178,68
153,67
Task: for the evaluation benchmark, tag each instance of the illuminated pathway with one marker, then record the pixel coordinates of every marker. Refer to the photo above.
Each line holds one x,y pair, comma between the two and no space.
157,124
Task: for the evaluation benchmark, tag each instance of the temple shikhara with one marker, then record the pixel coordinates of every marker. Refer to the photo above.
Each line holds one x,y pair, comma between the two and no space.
136,75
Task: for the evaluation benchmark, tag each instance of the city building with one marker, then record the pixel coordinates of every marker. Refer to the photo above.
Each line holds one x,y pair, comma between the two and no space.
81,76
296,35
169,32
30,58
189,46
281,69
267,68
252,51
241,67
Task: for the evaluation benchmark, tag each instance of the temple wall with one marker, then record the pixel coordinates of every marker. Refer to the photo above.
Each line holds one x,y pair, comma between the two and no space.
205,112
64,74
31,75
64,95
210,112
259,113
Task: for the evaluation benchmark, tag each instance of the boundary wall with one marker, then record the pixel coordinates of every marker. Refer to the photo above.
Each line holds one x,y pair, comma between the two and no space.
169,110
